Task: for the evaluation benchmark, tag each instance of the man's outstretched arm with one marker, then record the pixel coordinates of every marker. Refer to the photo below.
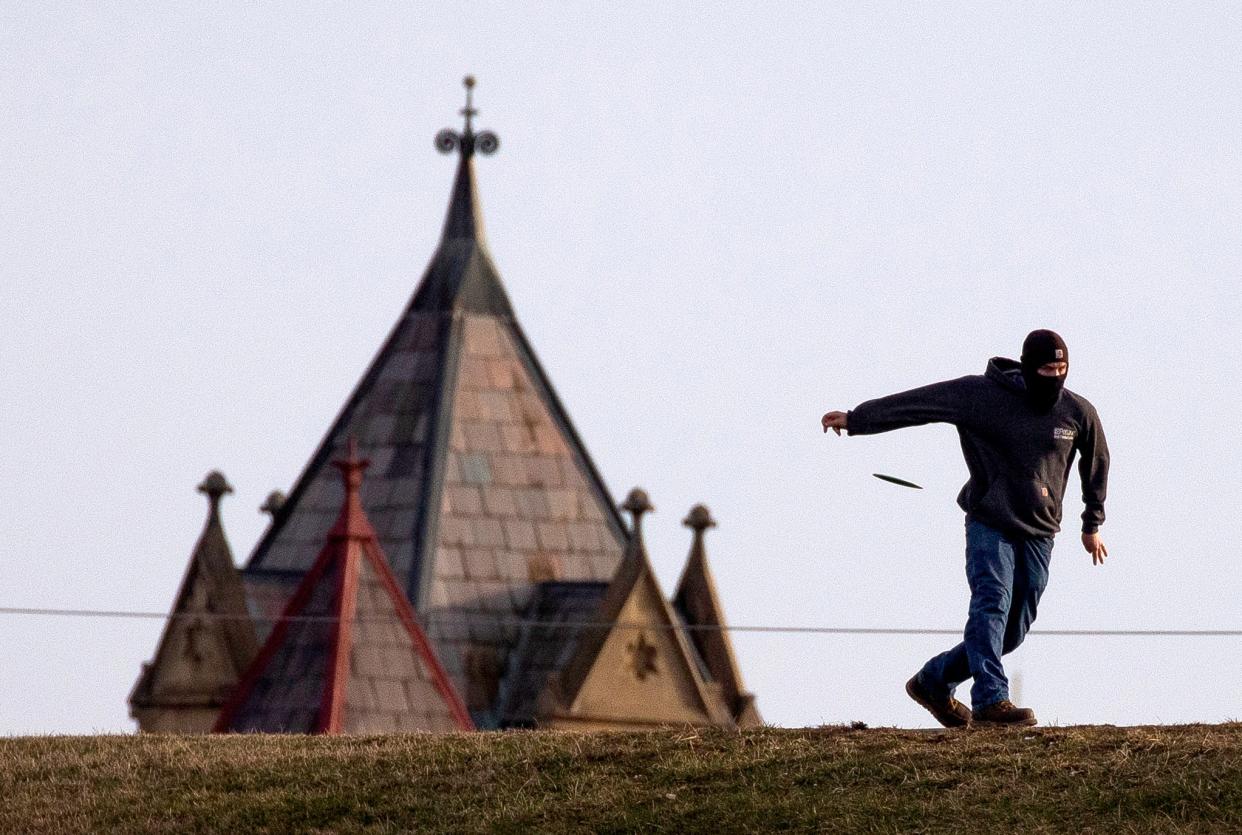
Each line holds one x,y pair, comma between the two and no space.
945,402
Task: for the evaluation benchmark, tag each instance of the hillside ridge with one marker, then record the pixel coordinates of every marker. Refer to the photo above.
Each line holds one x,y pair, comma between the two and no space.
1180,778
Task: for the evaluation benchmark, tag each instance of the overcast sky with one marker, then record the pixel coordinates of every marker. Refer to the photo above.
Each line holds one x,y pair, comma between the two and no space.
716,222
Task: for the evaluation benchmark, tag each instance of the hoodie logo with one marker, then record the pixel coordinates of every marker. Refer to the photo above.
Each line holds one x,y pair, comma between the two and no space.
1060,433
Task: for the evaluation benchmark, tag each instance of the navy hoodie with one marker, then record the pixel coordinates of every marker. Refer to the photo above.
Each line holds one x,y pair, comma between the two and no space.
1019,458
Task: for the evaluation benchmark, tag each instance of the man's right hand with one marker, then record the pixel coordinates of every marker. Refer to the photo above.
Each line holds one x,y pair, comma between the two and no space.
836,421
1095,547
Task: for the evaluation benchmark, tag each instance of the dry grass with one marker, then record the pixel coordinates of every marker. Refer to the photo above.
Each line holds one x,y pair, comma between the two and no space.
1083,780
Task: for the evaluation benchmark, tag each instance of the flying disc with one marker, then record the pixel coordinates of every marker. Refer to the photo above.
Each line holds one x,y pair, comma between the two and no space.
894,480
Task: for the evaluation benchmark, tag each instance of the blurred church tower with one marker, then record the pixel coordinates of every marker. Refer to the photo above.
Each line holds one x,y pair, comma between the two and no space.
493,520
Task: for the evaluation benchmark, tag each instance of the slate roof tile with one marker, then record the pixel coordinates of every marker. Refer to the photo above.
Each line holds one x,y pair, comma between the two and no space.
499,501
532,503
520,534
584,536
544,471
553,536
510,566
475,469
496,406
464,499
449,559
517,438
508,470
473,373
562,502
468,407
482,339
487,532
501,373
479,563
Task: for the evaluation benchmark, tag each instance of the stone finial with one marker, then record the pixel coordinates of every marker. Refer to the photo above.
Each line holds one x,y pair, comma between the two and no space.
215,486
699,519
273,503
637,503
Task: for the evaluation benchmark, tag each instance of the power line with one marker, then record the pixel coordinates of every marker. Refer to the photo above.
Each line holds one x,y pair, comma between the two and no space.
463,616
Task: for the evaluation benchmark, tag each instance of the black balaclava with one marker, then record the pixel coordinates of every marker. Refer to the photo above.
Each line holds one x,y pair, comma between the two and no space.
1040,347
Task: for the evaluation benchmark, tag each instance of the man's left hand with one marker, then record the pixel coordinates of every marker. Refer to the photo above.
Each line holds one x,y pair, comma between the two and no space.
1095,547
836,421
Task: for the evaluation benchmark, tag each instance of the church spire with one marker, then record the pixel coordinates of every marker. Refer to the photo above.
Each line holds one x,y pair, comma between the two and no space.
464,219
472,452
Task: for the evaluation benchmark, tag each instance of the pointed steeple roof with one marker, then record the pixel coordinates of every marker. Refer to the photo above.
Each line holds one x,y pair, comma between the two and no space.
698,603
207,642
347,655
480,487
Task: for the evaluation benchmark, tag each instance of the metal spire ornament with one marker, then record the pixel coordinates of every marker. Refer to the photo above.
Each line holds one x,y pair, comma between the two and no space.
467,142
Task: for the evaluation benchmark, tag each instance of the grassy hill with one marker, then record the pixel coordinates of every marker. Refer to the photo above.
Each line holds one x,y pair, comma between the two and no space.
1079,779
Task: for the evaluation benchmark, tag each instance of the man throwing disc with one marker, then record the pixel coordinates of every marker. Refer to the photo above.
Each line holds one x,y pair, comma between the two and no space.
1020,430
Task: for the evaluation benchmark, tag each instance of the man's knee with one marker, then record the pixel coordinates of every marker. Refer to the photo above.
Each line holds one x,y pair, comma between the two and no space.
991,603
1015,632
1013,640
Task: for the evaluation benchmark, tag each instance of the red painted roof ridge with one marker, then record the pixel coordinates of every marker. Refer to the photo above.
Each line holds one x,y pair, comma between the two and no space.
349,542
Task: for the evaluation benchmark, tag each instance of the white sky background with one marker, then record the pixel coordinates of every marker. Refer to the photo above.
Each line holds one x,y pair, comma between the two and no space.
714,225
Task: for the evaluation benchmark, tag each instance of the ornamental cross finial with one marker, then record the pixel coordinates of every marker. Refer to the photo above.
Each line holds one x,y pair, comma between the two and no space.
467,141
468,111
351,466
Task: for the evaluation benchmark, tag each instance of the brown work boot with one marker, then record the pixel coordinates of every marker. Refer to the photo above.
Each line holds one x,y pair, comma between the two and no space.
948,711
1004,713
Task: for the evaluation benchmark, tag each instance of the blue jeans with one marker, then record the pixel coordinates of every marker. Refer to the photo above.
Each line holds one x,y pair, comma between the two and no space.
1007,575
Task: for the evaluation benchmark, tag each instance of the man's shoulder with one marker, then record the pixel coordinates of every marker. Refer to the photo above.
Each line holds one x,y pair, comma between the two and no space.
971,387
1079,406
976,380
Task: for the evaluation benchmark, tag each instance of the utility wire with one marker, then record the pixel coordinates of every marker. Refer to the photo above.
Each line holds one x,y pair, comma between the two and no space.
466,616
